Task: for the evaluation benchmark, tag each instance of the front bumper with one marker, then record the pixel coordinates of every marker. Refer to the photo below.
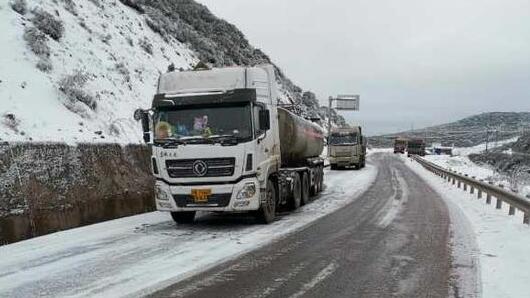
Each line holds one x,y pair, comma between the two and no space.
223,197
349,160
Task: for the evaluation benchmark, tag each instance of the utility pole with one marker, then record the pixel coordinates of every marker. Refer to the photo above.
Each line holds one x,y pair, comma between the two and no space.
487,138
488,132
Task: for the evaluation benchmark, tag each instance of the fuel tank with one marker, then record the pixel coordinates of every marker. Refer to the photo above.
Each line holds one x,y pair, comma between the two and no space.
299,138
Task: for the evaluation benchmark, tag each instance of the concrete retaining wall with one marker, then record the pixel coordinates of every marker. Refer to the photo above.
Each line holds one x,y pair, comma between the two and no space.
46,188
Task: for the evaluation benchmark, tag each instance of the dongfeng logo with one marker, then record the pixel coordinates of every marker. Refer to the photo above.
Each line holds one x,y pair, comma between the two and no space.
200,168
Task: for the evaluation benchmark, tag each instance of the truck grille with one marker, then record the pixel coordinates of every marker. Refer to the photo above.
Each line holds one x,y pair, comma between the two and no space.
343,153
215,200
216,167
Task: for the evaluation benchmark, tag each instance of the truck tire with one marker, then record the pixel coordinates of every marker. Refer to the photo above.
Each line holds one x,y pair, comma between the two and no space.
184,217
313,189
305,188
267,211
296,197
321,179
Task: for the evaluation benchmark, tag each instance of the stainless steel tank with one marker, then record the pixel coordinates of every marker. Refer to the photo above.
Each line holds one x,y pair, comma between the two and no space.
299,138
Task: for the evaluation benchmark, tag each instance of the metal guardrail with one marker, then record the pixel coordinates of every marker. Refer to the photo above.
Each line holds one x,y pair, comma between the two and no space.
514,200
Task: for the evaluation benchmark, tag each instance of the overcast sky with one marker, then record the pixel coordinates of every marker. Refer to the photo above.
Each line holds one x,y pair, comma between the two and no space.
414,62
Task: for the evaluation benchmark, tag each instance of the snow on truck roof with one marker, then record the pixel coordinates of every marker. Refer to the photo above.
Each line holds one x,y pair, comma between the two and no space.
214,80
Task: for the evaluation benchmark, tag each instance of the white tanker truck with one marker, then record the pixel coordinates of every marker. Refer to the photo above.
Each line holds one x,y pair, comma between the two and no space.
221,143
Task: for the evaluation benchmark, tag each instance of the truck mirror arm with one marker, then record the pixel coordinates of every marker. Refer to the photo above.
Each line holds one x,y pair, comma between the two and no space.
262,136
143,117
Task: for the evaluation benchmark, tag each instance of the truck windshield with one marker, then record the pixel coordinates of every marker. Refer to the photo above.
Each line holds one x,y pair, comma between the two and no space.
202,122
343,139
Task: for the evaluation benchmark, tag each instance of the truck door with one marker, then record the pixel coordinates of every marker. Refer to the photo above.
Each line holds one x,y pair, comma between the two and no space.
263,146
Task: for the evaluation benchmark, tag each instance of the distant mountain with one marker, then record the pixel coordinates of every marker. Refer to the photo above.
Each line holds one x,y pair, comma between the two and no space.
467,132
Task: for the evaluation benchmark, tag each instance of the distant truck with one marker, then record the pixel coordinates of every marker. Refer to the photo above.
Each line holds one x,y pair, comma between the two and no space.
400,145
346,148
221,143
416,147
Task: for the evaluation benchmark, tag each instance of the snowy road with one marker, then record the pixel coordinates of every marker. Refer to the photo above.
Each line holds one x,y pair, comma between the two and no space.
393,241
141,254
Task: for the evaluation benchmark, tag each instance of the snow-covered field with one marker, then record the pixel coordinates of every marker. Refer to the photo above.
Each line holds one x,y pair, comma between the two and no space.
502,240
464,151
137,255
462,164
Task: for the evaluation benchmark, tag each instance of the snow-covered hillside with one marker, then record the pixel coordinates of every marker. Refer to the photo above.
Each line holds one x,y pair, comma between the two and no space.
75,71
106,54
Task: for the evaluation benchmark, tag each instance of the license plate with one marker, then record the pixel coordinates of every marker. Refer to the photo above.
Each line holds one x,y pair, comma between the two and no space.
201,195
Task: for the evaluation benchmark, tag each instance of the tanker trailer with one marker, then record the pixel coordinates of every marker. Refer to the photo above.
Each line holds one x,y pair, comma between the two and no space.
301,143
220,143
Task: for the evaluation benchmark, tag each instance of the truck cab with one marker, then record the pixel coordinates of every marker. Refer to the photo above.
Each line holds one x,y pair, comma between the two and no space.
416,146
400,145
215,142
212,147
346,148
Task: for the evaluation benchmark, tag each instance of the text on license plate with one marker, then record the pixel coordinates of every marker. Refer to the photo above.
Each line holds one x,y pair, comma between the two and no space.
201,195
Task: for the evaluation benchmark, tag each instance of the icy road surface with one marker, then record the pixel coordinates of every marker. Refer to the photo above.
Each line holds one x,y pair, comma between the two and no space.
393,241
138,255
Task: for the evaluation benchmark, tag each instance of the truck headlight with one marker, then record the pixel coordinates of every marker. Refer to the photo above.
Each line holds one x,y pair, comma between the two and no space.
247,192
161,194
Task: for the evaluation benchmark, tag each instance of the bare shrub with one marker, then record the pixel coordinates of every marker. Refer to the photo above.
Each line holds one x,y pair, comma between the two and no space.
11,121
124,71
519,177
106,38
130,41
146,45
96,2
44,65
37,41
69,5
19,6
83,25
72,86
48,24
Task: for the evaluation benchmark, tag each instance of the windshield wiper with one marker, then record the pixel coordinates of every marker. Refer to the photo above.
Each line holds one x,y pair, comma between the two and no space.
171,142
225,139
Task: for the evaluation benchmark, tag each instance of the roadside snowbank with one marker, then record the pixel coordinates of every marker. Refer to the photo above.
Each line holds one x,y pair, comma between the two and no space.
503,240
140,254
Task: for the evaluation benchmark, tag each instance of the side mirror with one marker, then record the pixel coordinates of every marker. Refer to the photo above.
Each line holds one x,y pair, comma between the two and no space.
314,119
264,120
143,116
138,114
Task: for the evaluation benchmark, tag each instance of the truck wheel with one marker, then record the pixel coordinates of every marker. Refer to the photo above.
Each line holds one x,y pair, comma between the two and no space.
305,188
185,217
313,189
267,211
320,179
296,196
